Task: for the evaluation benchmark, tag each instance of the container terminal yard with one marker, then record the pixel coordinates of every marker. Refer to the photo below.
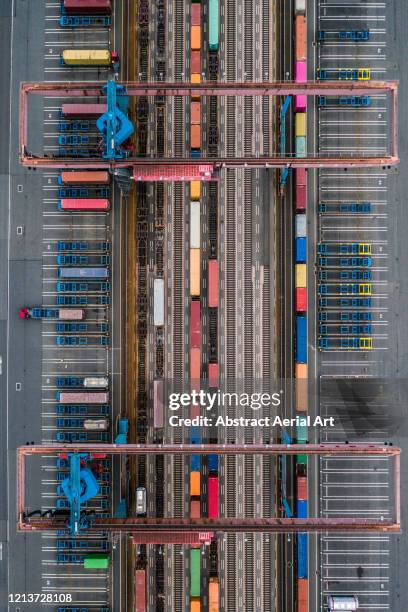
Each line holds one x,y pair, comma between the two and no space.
203,200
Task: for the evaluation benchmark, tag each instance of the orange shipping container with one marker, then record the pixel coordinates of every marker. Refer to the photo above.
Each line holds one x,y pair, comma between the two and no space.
195,136
195,365
196,14
195,509
213,595
195,604
301,387
195,113
195,275
300,33
195,38
195,484
302,595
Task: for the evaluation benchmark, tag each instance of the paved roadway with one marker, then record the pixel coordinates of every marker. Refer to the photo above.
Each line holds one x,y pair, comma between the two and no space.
361,564
32,356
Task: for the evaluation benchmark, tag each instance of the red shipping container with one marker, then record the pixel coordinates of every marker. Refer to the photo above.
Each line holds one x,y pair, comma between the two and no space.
195,367
195,111
195,62
140,590
301,176
195,324
213,497
302,595
194,411
301,299
94,7
213,283
196,14
301,488
195,137
301,197
195,509
213,375
300,35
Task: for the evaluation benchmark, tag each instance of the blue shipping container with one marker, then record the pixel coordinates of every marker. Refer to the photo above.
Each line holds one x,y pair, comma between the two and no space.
212,463
302,555
300,250
195,463
195,435
301,508
301,339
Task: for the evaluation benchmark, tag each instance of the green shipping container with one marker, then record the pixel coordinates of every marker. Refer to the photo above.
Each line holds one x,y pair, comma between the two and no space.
195,572
96,561
213,20
300,146
301,434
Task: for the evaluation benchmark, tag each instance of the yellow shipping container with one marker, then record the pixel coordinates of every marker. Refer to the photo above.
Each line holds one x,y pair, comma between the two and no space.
86,57
301,275
300,123
301,387
195,484
195,276
195,190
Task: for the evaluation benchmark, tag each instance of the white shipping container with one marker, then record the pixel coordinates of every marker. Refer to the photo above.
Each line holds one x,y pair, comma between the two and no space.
195,225
96,381
300,6
300,226
158,310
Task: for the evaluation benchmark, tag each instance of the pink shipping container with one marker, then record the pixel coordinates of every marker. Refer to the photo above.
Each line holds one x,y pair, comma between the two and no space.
301,488
83,110
196,14
195,324
214,375
300,72
213,283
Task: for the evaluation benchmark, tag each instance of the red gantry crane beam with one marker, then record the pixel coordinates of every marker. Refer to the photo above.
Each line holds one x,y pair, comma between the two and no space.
190,526
312,88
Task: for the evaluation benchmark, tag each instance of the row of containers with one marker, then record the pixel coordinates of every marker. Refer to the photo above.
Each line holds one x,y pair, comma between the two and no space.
195,320
301,367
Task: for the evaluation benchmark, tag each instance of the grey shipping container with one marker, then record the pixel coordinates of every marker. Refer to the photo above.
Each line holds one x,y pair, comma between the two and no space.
158,314
83,273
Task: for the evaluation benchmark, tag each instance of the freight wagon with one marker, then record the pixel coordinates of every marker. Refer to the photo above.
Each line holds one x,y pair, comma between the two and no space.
195,572
84,204
84,178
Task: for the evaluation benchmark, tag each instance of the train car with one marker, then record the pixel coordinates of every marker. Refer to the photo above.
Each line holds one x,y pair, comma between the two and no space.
213,283
140,590
302,561
86,57
213,375
83,110
195,190
300,189
300,38
195,488
158,296
195,272
86,397
195,225
83,7
301,397
301,339
84,204
213,25
84,178
213,492
302,595
195,572
195,324
158,403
